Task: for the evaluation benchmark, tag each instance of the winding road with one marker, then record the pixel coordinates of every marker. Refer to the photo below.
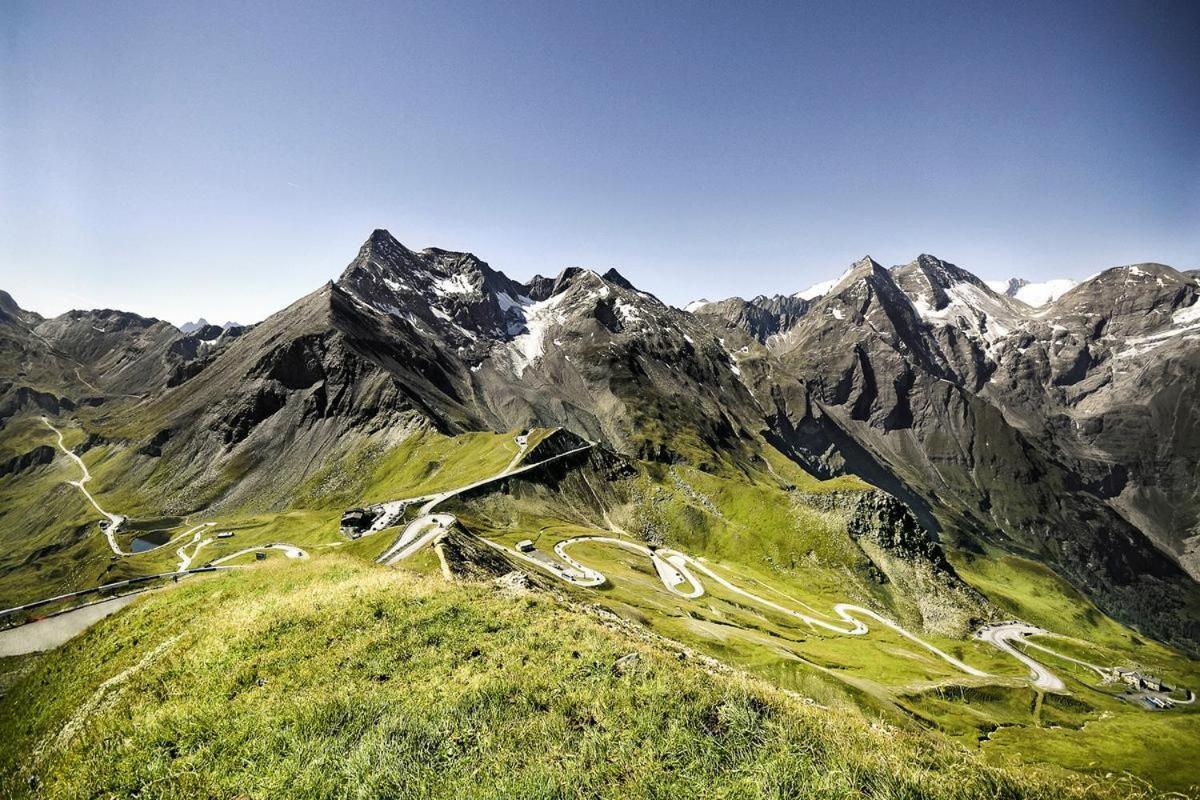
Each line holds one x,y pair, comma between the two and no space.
1001,636
681,575
114,520
427,526
676,569
54,630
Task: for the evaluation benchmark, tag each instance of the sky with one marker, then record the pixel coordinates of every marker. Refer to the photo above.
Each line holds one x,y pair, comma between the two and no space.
221,159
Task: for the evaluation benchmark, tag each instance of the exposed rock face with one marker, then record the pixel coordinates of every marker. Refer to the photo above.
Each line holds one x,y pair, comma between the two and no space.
83,357
903,554
1067,432
42,454
762,317
465,556
1062,433
884,520
404,338
14,399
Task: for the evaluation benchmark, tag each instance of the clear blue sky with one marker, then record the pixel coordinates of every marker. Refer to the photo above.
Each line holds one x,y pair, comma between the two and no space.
223,158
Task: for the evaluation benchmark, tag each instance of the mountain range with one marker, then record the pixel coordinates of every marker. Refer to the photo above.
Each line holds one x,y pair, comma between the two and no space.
1067,433
905,514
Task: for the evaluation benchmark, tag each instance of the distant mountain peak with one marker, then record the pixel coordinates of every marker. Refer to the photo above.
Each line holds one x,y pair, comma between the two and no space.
192,327
942,274
202,323
384,250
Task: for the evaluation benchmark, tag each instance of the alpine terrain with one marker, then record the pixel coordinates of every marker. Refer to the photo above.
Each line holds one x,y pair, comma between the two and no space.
434,531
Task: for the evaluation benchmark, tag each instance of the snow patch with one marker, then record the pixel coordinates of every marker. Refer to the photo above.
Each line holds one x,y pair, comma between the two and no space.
528,347
628,313
816,290
696,305
1039,294
454,285
982,316
1186,316
507,301
822,288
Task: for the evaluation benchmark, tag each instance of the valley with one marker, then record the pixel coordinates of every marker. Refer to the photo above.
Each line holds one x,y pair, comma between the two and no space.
845,499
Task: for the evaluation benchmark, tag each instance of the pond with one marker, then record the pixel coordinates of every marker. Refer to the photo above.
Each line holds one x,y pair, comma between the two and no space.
149,540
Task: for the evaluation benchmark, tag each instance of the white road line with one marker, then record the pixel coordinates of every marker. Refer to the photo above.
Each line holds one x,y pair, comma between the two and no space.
115,521
674,568
1101,670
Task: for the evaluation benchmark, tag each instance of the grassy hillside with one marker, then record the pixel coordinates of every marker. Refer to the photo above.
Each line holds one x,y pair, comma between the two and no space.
755,525
762,537
50,542
336,679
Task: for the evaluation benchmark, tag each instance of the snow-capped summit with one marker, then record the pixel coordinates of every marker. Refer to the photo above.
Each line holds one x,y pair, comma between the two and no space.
1033,294
823,288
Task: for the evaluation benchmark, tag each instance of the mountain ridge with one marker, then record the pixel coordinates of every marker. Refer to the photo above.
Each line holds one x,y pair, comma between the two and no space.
919,378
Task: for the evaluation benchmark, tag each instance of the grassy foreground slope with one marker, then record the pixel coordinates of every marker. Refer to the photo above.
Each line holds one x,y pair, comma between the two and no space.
338,679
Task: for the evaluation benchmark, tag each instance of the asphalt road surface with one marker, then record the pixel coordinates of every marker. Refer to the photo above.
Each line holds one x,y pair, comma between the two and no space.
46,634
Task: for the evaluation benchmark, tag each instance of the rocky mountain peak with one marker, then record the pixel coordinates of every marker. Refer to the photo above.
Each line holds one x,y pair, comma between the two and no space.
381,240
761,318
572,277
192,327
381,252
866,262
937,275
1146,283
1014,286
8,305
865,269
540,287
612,276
